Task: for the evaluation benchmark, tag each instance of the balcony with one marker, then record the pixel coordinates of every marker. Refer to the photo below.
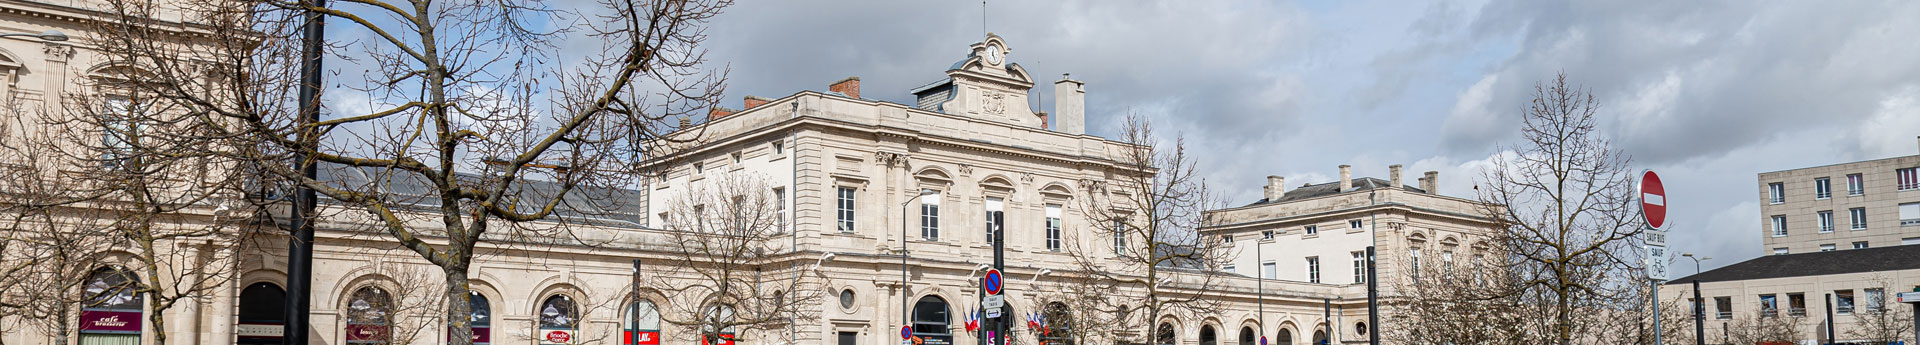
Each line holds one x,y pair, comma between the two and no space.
1724,315
1796,311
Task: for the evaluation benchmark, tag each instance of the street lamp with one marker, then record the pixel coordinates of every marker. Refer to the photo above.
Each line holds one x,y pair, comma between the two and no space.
49,35
906,312
1696,261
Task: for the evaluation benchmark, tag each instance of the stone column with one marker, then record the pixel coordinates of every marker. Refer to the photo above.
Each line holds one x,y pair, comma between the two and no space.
222,314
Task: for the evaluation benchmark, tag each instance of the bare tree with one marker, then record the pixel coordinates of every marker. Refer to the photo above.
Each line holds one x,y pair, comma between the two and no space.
1765,327
727,275
490,129
1473,305
1876,322
1564,201
1150,260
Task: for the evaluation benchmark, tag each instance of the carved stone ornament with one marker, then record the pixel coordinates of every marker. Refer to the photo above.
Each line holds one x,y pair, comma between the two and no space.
58,52
890,158
996,103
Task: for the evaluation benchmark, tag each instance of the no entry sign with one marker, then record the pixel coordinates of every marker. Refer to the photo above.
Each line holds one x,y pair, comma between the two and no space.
991,282
1653,200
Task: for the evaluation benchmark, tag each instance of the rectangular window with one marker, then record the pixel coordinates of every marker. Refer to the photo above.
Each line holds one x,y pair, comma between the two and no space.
1053,228
1910,241
1360,267
1776,193
1860,245
1827,247
1910,214
1826,221
849,338
1856,184
1779,226
1780,251
1446,261
1723,308
121,132
1354,224
780,205
1119,236
1908,179
1857,218
1313,269
1769,306
1822,188
1413,263
845,209
1229,269
930,217
996,219
779,148
1843,302
699,168
1311,230
1226,238
1796,304
1876,299
1269,270
1266,234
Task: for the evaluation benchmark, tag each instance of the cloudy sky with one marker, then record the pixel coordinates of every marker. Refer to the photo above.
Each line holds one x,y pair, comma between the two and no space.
1707,93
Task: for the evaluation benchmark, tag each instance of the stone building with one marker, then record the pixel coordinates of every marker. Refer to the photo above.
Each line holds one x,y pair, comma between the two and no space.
1865,204
849,174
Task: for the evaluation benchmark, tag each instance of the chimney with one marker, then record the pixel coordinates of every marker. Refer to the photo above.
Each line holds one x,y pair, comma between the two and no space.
1346,177
1276,187
1916,139
685,122
717,113
1043,119
1393,173
1431,182
849,87
1070,105
754,101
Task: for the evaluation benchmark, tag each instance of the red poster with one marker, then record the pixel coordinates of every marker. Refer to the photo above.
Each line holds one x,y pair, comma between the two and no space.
481,335
556,336
367,333
646,337
110,321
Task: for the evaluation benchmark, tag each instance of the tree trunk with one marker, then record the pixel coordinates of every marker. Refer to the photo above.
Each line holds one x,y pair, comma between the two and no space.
459,306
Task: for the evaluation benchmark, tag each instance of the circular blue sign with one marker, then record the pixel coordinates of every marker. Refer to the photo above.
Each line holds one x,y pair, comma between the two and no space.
906,332
992,282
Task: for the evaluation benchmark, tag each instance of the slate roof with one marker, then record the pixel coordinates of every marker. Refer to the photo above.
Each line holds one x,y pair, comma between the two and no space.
610,207
1331,188
1881,259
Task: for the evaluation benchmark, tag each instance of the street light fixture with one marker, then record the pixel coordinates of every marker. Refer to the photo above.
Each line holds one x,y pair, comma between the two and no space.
1696,261
49,35
906,311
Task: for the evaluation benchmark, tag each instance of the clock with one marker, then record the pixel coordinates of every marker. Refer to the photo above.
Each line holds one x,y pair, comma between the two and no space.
993,55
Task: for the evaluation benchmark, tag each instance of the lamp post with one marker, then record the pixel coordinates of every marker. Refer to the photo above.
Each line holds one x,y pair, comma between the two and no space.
49,36
1699,303
906,311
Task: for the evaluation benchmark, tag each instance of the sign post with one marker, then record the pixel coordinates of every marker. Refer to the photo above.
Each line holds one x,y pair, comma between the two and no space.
1653,210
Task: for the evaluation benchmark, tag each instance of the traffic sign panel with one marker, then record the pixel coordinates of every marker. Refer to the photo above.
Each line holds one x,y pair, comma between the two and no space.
906,332
1657,262
1653,200
993,301
1909,297
991,282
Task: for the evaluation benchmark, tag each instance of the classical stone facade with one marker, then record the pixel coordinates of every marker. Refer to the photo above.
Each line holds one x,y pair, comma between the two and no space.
845,169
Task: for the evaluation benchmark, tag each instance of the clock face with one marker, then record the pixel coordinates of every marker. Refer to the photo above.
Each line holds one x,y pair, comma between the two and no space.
993,55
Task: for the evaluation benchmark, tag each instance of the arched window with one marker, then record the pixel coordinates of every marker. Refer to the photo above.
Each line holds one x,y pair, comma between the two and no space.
1246,336
932,320
263,314
1164,335
480,318
643,324
111,315
369,316
559,317
1207,336
1285,337
1320,337
1059,327
720,316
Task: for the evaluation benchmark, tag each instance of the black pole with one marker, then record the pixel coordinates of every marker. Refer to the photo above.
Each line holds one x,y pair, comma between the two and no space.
995,221
300,244
633,305
1829,318
1699,314
1373,302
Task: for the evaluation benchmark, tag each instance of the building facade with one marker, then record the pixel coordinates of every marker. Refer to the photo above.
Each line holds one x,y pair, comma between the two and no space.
1855,205
860,185
1838,240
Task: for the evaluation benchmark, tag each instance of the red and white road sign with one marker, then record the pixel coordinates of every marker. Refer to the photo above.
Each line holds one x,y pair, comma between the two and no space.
1653,200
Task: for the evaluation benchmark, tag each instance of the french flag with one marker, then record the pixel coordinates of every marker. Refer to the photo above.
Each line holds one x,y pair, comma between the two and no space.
973,321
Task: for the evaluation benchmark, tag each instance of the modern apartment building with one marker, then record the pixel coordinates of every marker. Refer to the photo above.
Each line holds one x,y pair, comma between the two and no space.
1866,204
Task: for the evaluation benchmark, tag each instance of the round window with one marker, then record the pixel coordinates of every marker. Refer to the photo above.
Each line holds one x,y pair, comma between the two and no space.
1360,327
846,299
